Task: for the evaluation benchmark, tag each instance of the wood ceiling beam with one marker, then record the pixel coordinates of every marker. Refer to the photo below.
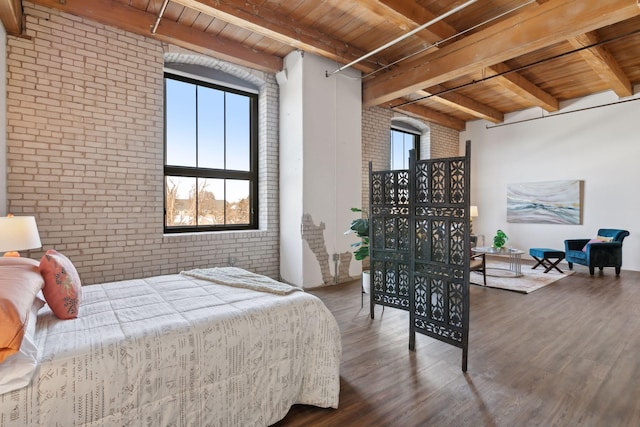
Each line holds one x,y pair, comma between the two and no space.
424,113
246,14
523,87
120,15
463,103
519,85
394,10
530,30
416,14
409,15
603,63
11,16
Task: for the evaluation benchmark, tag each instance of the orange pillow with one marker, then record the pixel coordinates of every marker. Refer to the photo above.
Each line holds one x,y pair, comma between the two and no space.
20,281
62,287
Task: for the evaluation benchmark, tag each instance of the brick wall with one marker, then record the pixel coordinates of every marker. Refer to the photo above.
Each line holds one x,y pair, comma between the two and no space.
444,141
85,153
376,123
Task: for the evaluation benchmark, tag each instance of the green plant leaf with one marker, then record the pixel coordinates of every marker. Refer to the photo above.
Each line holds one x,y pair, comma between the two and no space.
500,239
361,253
360,226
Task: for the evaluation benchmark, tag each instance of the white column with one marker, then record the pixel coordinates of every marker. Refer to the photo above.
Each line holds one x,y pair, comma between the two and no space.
320,158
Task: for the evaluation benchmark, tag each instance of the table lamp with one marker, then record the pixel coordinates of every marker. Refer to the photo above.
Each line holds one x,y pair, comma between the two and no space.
473,212
18,233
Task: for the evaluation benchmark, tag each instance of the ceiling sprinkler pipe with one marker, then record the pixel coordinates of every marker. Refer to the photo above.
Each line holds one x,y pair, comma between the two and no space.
404,36
162,9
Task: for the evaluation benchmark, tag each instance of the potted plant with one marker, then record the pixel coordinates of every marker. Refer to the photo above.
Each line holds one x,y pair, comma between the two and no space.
360,226
499,239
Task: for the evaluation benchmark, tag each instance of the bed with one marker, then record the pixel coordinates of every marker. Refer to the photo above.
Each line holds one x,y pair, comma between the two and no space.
183,350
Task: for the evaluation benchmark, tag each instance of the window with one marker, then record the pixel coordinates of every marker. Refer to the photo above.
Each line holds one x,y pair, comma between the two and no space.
211,164
401,143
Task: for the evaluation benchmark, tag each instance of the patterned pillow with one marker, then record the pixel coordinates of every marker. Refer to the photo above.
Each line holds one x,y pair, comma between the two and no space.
62,287
599,239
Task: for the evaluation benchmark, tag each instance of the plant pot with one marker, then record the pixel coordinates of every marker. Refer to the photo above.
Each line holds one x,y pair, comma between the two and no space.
366,281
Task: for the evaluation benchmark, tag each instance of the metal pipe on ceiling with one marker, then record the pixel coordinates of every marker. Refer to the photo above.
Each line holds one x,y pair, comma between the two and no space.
520,68
404,36
162,9
438,43
593,107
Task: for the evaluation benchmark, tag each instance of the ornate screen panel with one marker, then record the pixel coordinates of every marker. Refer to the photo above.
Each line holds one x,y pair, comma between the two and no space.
419,246
389,236
440,238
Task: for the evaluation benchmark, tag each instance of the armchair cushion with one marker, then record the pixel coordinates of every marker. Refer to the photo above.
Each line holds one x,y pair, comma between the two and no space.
575,244
596,240
577,255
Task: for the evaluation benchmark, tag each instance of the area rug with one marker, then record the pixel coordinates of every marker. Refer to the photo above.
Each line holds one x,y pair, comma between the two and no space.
530,281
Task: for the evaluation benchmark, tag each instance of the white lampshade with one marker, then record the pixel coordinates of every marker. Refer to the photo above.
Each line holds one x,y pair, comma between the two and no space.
19,233
473,211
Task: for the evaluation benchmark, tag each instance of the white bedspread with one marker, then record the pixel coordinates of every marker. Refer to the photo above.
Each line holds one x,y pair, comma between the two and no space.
239,278
175,350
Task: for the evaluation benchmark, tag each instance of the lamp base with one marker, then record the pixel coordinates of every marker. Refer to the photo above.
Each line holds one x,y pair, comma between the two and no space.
11,254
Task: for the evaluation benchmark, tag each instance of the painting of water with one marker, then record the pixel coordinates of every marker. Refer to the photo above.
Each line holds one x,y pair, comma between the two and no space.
549,202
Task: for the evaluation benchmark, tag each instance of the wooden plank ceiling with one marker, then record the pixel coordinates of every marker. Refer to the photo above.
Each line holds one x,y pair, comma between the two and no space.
490,58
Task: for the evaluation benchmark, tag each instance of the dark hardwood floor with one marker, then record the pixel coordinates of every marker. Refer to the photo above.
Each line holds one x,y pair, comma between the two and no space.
565,355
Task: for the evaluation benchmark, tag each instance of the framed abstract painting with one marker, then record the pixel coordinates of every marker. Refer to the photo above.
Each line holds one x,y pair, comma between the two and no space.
548,202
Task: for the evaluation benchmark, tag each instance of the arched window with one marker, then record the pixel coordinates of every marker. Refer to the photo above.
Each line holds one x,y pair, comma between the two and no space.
401,143
404,136
211,149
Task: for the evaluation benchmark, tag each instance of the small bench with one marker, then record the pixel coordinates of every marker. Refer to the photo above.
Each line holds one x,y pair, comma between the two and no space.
544,256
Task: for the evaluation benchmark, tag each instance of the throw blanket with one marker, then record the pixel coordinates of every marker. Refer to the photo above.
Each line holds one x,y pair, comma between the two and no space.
239,278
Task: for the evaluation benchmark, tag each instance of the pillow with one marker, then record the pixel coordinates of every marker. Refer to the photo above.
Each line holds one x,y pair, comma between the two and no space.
17,370
62,287
599,239
19,284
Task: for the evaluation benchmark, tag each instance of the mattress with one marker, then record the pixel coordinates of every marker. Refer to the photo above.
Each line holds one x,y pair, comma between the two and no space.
177,350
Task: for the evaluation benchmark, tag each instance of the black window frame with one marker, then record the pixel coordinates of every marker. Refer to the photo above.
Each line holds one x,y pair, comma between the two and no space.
416,144
197,172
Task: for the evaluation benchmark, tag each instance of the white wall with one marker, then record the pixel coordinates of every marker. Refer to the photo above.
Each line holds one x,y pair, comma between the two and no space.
600,146
320,154
332,145
291,154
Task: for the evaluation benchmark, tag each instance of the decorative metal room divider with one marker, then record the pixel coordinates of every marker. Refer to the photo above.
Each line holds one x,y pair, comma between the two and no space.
389,238
420,248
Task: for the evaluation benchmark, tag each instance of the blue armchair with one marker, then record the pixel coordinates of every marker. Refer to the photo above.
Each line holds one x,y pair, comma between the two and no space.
597,254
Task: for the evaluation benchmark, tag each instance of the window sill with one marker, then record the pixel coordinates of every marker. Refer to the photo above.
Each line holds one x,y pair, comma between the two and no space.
214,235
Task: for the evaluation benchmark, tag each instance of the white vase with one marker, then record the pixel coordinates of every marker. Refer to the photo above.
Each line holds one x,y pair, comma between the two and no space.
366,281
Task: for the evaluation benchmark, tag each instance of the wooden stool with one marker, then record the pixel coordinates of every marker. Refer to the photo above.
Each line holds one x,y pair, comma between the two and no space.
544,256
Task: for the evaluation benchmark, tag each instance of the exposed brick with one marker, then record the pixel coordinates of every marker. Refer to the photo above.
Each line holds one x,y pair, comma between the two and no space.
85,151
